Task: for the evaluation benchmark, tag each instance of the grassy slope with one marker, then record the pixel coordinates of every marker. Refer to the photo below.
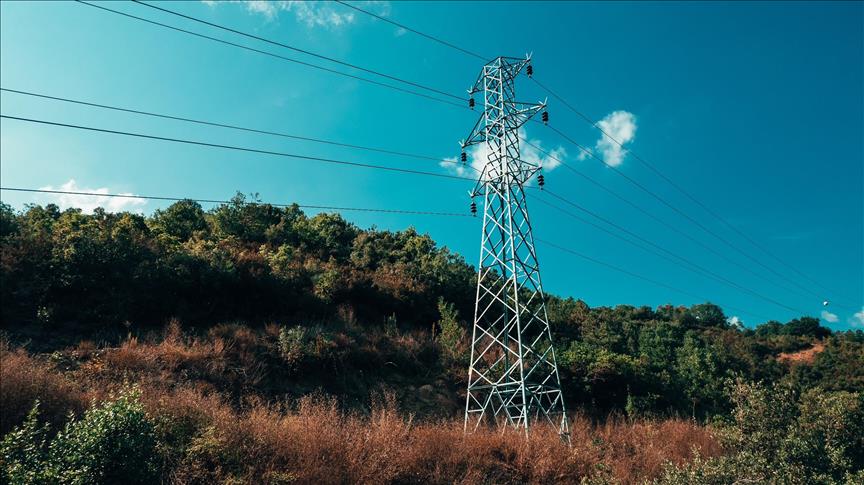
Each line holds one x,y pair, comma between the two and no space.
219,403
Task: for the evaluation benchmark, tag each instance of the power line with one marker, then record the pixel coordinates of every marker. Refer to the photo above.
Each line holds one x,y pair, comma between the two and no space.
657,219
358,209
430,37
215,201
319,67
642,160
236,148
706,271
277,56
639,276
302,51
271,133
233,127
680,212
692,198
342,162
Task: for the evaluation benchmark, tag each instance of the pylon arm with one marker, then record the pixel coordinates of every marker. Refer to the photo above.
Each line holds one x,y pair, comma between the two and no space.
522,112
518,113
478,133
512,66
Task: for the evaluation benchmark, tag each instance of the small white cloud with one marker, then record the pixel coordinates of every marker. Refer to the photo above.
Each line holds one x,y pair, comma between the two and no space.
400,32
735,322
829,317
453,165
310,13
88,203
476,159
584,153
857,318
264,7
549,159
620,126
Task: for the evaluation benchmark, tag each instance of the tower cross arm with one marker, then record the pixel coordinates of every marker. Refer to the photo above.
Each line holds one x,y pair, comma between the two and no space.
522,112
477,135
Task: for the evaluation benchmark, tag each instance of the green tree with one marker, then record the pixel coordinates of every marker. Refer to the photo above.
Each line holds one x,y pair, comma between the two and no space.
180,220
806,327
700,375
451,333
245,218
708,315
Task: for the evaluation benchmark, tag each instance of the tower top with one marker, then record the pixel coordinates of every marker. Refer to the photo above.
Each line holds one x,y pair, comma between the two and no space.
498,125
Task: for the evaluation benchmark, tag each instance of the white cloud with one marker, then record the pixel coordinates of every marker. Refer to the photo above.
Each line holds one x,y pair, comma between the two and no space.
88,203
620,126
584,153
400,32
310,13
735,322
829,317
548,158
857,318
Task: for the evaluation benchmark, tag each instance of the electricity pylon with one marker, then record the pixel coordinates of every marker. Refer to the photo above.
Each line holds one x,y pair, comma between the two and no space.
513,376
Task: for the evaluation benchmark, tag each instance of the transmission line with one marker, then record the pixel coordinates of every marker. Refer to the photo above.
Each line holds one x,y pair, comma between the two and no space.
648,165
641,277
430,37
233,127
680,212
342,162
302,51
215,201
689,196
657,219
699,268
277,56
354,209
241,149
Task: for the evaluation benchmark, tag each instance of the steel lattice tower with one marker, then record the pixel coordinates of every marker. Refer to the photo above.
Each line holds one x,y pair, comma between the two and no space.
513,376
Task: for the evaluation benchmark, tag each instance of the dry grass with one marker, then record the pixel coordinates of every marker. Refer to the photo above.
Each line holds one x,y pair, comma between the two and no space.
209,436
805,356
316,442
229,358
24,379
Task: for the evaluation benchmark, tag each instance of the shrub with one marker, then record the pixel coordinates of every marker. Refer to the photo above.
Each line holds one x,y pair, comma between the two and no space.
451,332
113,443
828,436
292,342
23,452
780,438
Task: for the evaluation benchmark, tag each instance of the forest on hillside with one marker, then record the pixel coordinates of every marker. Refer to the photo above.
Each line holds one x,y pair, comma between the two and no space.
207,342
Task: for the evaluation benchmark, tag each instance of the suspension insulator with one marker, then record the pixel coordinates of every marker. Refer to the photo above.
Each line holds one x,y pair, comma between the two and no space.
463,157
471,103
473,208
529,70
545,117
541,181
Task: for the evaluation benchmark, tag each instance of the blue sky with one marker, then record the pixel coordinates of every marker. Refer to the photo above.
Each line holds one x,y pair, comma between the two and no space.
755,108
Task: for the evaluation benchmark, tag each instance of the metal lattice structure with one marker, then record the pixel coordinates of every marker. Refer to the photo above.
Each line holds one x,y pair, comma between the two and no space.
513,375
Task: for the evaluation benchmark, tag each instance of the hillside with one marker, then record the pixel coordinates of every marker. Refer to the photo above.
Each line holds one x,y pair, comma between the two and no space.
279,324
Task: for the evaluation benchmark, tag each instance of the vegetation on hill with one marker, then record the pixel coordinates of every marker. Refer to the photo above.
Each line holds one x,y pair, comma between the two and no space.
251,343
